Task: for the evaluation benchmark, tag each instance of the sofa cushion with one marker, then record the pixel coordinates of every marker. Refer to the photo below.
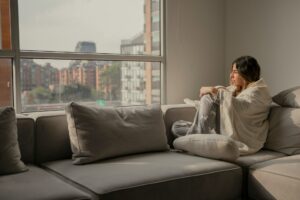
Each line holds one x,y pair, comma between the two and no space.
10,157
260,156
160,175
173,113
284,130
52,137
101,132
288,98
37,184
208,145
248,160
276,179
26,127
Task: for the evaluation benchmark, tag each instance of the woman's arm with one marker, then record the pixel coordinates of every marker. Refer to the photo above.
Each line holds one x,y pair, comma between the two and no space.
214,89
208,90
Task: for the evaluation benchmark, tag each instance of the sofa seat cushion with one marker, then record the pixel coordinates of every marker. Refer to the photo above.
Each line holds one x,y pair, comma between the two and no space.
160,175
37,184
276,179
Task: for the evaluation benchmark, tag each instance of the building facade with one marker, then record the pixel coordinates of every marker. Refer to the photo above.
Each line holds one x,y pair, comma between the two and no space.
141,80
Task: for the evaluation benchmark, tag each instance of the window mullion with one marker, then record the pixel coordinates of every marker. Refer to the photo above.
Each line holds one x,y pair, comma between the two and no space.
16,52
85,56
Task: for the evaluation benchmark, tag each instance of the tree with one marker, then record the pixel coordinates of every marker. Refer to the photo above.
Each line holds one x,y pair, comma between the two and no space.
76,92
111,81
41,94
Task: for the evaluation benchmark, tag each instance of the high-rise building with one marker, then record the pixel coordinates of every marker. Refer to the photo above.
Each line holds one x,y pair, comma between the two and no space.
152,47
85,47
141,81
6,97
5,82
83,72
132,73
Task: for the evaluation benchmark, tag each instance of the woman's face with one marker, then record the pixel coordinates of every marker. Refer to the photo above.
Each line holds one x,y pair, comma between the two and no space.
235,78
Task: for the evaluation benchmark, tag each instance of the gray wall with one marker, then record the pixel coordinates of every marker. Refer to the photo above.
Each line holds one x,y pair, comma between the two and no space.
194,47
270,31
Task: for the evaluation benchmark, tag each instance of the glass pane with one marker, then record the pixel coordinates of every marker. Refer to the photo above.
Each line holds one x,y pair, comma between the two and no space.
5,36
102,26
50,84
6,82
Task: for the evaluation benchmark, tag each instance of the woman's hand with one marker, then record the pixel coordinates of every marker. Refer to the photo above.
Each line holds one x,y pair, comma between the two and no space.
208,90
238,90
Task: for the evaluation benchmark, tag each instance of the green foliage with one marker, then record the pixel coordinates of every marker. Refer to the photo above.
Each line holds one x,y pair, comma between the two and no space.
76,92
111,82
41,94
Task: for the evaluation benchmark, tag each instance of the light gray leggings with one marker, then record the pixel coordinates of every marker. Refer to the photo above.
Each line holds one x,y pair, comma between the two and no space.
206,120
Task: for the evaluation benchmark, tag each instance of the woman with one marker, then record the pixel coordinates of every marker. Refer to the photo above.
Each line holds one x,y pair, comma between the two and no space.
239,111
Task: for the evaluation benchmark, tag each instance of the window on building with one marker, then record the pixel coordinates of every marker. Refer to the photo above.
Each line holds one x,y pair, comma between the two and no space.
92,52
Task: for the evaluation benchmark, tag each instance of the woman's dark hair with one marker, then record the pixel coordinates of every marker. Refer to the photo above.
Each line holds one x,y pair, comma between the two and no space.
248,68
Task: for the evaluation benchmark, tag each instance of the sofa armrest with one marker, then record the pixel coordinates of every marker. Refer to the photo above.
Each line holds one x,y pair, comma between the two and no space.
174,113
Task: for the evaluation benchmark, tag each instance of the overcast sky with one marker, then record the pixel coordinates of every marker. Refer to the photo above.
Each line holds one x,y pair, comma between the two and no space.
57,25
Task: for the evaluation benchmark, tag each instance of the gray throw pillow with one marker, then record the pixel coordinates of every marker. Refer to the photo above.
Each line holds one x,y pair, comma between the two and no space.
284,130
213,146
10,157
103,132
288,98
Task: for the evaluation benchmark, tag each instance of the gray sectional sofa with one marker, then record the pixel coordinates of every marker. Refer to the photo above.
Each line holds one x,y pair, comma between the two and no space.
272,173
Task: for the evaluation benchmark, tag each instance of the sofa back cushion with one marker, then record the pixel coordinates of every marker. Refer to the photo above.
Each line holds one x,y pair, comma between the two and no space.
10,156
173,113
288,98
103,132
284,130
52,138
26,138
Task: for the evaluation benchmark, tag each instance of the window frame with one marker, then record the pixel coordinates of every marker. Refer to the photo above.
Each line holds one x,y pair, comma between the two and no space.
16,54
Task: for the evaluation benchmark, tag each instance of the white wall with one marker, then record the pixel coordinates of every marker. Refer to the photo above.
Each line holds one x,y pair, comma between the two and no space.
195,47
270,31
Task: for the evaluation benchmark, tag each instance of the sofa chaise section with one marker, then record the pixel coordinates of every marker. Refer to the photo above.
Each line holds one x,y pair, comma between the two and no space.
161,175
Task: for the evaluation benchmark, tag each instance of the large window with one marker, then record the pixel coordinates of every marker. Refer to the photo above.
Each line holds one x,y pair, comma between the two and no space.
104,52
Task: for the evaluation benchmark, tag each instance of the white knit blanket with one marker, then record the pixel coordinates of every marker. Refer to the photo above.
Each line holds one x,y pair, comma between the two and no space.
244,118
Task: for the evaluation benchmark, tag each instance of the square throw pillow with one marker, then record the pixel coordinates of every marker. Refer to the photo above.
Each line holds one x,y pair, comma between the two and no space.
284,130
103,132
10,157
213,146
288,98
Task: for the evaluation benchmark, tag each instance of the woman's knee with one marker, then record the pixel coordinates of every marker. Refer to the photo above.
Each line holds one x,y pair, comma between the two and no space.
207,97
